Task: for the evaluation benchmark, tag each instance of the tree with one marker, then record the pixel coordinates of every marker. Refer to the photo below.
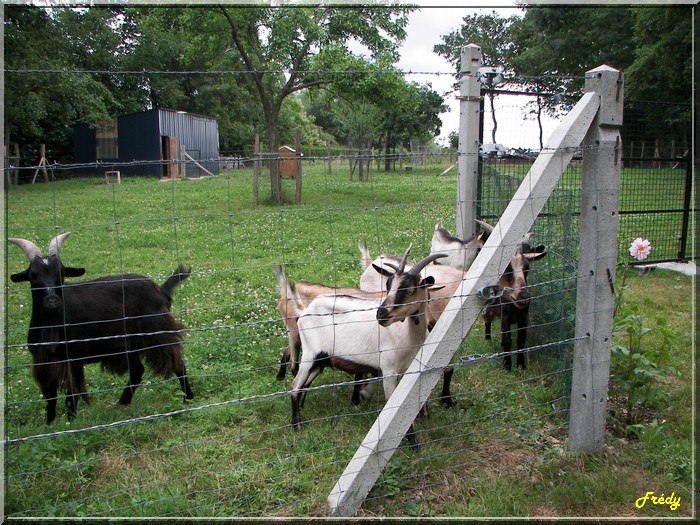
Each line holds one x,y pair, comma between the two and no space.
662,71
549,48
39,107
558,44
493,33
400,110
289,49
179,51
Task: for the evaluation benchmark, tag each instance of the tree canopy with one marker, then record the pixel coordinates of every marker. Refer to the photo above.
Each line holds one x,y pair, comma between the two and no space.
248,67
548,49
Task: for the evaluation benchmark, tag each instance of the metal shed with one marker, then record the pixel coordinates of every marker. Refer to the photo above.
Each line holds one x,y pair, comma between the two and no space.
149,143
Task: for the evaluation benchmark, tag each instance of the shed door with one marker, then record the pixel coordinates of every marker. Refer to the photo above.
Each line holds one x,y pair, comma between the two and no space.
170,158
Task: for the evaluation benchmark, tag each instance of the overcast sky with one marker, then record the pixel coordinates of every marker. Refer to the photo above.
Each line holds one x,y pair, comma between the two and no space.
425,29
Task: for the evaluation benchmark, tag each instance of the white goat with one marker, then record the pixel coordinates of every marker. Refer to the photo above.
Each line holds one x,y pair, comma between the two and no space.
460,254
305,293
341,332
446,277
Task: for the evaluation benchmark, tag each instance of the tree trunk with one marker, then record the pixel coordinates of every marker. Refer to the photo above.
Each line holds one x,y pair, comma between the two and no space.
539,121
273,145
493,117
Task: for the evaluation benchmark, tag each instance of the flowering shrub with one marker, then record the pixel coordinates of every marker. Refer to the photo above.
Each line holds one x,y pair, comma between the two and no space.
636,367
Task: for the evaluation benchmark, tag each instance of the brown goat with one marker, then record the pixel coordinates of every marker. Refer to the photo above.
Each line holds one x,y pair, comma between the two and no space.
513,307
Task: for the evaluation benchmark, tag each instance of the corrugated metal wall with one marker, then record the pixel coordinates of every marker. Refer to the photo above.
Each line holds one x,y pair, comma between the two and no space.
200,136
140,143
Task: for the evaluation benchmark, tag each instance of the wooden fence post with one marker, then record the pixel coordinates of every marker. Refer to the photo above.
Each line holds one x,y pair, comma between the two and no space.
600,201
468,150
297,145
42,165
256,169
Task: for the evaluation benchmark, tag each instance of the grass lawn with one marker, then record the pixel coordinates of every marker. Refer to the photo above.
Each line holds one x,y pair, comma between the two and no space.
501,452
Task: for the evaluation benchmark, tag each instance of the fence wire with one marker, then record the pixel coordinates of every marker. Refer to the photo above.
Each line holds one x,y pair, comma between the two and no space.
231,451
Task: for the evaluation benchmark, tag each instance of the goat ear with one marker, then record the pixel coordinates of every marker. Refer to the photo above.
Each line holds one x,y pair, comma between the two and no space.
382,270
535,256
428,282
483,237
20,277
74,272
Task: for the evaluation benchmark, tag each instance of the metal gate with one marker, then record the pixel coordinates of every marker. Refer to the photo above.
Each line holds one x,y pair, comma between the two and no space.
656,203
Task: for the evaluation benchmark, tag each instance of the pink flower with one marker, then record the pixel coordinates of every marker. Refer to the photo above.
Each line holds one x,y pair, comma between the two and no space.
640,249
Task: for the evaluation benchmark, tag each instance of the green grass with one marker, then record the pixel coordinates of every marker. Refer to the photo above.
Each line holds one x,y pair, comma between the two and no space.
502,451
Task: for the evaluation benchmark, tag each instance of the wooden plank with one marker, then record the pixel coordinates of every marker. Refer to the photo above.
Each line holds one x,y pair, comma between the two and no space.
438,351
198,164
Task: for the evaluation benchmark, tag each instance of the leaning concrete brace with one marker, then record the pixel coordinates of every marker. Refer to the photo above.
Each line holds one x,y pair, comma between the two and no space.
439,348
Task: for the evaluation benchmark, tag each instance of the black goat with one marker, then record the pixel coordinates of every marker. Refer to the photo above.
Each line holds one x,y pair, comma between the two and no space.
111,320
513,307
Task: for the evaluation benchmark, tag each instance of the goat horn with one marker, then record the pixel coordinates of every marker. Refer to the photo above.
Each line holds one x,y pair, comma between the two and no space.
31,250
485,225
56,244
402,264
418,267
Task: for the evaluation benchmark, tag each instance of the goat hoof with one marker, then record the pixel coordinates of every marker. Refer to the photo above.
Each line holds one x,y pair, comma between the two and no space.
415,447
448,401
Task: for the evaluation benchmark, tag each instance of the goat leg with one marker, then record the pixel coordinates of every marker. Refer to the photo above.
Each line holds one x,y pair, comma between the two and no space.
185,383
135,375
76,389
284,361
446,396
49,390
522,334
412,440
506,343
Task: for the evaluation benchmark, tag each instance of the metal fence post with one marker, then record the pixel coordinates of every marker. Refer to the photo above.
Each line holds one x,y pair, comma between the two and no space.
600,198
468,150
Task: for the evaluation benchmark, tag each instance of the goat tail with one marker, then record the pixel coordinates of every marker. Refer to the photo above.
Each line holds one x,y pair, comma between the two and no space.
365,258
288,292
180,274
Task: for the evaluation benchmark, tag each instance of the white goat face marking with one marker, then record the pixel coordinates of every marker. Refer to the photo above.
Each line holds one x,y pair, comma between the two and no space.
517,281
44,261
401,301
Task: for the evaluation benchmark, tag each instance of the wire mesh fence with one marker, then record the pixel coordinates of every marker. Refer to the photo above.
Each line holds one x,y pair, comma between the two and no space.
231,452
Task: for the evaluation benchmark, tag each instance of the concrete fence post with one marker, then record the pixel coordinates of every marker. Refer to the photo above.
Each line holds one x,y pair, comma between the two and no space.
468,149
600,197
